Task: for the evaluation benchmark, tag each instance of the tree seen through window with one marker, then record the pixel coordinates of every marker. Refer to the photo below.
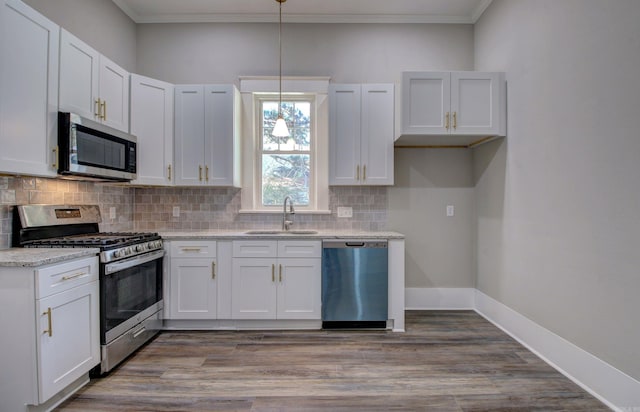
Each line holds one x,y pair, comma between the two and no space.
286,161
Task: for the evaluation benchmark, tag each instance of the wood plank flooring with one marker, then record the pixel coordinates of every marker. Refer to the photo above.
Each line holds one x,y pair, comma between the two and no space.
446,361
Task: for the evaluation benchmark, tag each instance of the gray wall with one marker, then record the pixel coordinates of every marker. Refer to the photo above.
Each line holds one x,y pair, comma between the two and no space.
440,251
558,200
349,53
99,23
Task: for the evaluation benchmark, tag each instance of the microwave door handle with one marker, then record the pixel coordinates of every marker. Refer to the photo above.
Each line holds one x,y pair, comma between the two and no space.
129,263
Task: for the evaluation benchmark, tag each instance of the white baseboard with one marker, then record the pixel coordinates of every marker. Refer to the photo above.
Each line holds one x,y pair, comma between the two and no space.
439,298
616,389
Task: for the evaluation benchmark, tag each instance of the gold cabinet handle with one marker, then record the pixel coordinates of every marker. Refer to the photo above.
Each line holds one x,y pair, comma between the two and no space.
455,120
280,273
190,249
446,121
97,109
213,270
364,172
75,275
200,173
206,173
104,110
49,331
55,157
273,272
358,172
169,172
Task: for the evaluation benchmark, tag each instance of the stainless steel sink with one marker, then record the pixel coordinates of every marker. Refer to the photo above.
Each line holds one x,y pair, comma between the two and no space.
263,232
281,232
301,232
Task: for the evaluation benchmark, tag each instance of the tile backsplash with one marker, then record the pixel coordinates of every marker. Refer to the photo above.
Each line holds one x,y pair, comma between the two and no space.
32,190
215,208
151,209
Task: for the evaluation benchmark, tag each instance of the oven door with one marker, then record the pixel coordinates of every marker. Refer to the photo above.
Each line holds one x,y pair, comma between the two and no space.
130,291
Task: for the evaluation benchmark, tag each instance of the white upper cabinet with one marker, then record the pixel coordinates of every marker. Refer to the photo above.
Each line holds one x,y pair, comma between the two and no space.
361,125
207,145
452,108
91,85
152,124
28,90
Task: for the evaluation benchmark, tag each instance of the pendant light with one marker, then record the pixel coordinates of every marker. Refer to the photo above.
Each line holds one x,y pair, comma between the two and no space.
280,129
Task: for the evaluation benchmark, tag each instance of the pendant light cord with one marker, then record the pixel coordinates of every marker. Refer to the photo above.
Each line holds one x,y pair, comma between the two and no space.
280,54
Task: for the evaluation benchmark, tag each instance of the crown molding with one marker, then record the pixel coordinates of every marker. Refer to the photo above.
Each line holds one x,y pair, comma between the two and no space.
301,18
477,13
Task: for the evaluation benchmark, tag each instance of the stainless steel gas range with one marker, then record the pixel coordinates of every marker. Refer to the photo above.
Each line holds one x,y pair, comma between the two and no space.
130,271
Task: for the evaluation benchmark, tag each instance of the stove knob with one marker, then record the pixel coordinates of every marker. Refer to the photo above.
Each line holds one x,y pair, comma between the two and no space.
118,253
140,248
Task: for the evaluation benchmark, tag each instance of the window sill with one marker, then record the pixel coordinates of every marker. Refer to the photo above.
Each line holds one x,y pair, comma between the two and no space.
279,212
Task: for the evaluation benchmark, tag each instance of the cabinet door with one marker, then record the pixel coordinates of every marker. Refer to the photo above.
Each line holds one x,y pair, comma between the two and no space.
253,288
189,135
425,102
152,123
79,71
193,288
114,92
299,288
344,134
28,90
69,343
221,146
475,107
377,134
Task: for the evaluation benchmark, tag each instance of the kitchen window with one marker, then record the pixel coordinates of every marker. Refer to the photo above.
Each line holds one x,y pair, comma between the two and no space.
286,163
295,166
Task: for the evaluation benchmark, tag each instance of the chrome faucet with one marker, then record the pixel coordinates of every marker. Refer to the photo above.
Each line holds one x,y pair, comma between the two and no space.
287,223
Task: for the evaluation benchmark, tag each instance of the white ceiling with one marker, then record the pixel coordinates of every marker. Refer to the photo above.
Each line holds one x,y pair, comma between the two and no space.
305,11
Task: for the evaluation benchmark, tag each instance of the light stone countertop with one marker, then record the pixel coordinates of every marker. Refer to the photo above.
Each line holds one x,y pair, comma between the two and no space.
32,257
243,235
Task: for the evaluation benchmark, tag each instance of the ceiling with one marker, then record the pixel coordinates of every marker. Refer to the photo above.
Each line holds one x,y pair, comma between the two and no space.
304,11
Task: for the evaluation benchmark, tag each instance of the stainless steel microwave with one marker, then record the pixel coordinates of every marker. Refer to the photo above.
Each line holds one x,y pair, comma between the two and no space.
93,150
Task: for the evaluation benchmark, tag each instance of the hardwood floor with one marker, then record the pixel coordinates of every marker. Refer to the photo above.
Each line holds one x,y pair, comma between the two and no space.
446,361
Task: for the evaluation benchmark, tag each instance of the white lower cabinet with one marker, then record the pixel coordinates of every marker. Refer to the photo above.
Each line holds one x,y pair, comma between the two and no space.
193,280
276,279
51,319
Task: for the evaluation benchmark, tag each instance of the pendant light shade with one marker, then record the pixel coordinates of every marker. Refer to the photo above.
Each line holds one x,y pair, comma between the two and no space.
280,129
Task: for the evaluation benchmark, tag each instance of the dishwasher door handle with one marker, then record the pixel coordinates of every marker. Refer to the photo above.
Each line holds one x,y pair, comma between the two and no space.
354,244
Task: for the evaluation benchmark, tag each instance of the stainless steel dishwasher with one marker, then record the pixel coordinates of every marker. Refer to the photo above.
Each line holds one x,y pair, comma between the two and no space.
354,284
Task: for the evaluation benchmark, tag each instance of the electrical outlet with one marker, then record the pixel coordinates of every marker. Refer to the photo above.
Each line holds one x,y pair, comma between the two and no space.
450,210
176,211
112,213
345,211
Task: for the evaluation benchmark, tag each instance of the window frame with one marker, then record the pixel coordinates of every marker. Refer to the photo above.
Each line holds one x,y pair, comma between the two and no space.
259,100
252,87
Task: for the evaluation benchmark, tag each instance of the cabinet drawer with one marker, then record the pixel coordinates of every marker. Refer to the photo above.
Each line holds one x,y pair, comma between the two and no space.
64,276
255,248
299,248
193,248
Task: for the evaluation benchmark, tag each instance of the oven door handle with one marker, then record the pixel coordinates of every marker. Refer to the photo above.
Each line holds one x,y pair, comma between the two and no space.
110,268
